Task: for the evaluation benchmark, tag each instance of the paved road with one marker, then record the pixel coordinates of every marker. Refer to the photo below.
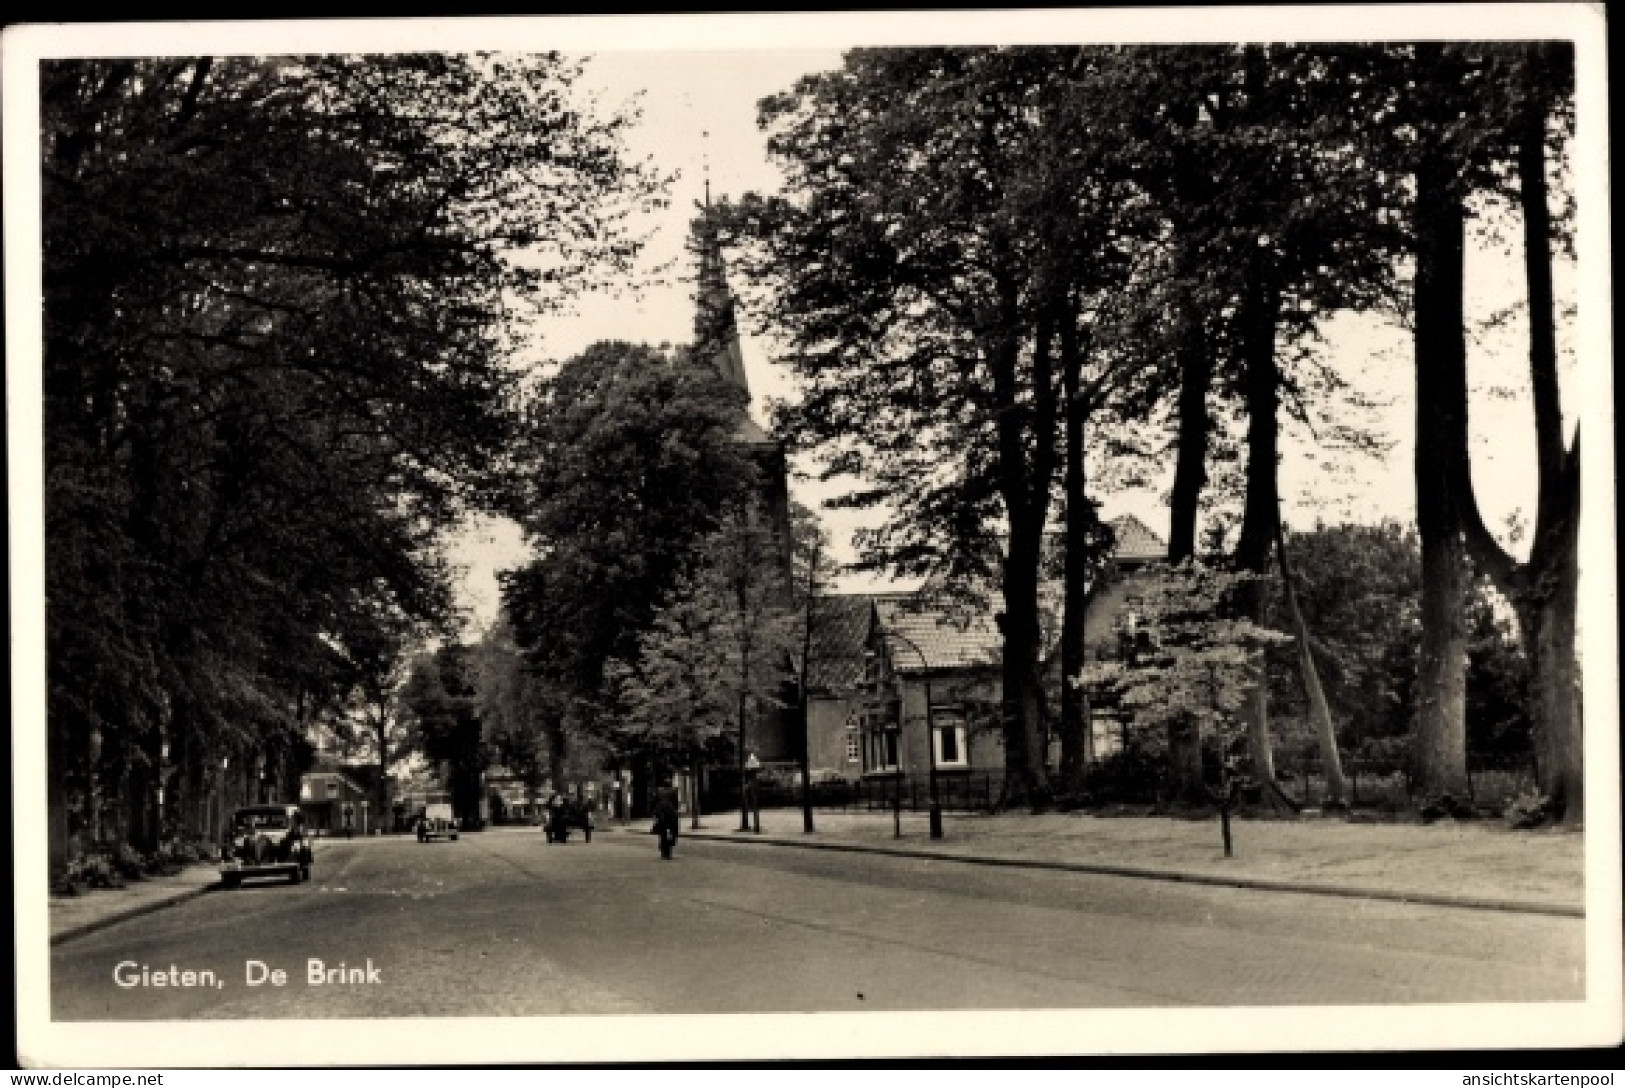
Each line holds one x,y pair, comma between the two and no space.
501,923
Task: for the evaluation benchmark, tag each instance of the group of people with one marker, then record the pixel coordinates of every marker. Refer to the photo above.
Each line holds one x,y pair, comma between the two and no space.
563,811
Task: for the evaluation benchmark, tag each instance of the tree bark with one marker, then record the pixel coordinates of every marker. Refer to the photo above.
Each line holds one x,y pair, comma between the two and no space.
1024,485
1080,523
553,728
1548,628
1190,463
1545,590
1440,726
1261,514
384,814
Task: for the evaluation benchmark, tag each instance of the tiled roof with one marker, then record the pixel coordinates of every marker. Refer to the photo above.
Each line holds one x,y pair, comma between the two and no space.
1135,542
840,630
945,639
948,635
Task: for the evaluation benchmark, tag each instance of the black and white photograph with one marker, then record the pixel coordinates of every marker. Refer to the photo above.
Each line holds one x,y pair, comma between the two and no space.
828,536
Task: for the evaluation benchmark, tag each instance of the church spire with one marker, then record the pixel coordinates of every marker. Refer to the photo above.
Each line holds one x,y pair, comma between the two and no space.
716,331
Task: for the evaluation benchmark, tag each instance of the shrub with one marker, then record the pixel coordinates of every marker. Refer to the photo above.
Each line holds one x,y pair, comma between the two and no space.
1527,810
127,862
1445,806
85,872
1128,776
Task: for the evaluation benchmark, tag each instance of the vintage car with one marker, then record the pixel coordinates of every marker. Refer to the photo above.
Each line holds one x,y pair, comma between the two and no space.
266,840
437,822
563,814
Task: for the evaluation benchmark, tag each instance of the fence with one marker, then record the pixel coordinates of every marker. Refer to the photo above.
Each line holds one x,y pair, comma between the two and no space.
1389,785
975,792
1382,785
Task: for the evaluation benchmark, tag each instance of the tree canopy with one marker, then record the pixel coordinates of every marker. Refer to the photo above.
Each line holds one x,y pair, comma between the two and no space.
279,300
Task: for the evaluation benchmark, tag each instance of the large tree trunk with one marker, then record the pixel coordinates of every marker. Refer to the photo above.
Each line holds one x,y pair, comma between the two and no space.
1547,613
1261,513
553,730
1548,628
1024,479
1544,589
1440,724
1190,464
385,815
1081,523
59,844
1026,779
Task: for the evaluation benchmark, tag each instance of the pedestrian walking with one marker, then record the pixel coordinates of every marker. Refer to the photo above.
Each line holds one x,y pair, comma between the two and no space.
666,820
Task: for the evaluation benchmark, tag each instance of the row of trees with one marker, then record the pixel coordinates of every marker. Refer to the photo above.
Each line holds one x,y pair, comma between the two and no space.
278,321
988,263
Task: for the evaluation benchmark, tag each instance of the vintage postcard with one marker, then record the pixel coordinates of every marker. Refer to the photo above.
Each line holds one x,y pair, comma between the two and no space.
842,535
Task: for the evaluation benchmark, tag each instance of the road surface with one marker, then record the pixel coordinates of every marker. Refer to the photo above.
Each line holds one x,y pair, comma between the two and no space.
502,923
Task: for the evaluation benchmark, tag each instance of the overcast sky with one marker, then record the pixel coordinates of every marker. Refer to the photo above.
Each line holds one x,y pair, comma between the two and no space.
699,118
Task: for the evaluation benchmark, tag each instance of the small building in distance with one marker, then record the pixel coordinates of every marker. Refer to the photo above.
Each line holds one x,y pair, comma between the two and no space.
333,801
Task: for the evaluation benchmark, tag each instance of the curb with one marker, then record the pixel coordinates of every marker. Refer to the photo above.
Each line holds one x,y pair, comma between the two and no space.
84,928
1510,906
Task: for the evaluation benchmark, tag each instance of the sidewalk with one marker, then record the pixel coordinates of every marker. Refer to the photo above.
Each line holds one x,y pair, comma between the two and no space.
1477,865
74,916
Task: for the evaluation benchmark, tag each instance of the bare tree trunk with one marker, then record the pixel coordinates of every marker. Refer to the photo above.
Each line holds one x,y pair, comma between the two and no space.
1026,778
1440,729
1081,525
1548,634
383,768
1190,464
1024,485
553,728
1257,715
1261,513
1544,589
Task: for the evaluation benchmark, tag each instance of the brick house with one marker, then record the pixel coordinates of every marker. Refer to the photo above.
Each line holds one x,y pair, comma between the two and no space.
933,688
899,680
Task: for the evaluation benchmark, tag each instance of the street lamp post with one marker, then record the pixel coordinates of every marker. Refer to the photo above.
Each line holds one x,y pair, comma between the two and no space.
930,731
163,775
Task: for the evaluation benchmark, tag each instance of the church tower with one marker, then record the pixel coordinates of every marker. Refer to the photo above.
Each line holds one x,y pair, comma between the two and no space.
716,338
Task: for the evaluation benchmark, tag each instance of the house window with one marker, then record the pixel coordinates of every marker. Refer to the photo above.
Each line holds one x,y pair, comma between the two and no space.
949,733
853,743
880,749
332,788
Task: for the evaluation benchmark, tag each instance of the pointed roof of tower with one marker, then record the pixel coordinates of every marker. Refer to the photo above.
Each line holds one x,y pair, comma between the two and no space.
716,330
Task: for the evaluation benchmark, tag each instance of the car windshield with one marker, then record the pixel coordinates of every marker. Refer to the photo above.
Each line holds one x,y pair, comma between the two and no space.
263,821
